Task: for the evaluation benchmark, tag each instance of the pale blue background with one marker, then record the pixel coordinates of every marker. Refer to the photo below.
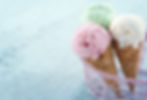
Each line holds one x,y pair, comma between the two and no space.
36,60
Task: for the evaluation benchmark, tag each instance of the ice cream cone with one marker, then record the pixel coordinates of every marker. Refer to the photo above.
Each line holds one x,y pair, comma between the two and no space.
93,44
105,63
129,58
128,32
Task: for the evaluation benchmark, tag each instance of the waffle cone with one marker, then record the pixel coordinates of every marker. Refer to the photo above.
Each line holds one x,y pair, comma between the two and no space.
129,59
105,63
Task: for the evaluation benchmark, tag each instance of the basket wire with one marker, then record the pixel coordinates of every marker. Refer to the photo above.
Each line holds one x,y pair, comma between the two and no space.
98,88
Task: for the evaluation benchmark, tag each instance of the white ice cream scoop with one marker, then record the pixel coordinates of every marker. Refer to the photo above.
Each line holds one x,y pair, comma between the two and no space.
128,30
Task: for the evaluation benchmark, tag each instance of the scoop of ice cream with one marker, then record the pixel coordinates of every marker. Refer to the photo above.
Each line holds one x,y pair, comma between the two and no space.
99,13
128,30
90,41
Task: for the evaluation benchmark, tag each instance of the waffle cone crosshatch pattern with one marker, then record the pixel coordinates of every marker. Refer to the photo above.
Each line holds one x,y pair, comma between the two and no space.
101,91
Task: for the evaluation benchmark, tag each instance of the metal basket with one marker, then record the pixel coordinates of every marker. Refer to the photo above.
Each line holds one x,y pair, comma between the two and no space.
101,91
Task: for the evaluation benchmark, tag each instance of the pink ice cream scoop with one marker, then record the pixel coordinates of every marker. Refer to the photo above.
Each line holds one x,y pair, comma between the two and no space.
90,40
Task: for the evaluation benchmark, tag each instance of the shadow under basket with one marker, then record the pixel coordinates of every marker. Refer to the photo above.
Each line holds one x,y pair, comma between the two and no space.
101,91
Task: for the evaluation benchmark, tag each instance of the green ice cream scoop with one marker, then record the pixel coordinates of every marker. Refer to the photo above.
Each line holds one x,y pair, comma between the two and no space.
99,13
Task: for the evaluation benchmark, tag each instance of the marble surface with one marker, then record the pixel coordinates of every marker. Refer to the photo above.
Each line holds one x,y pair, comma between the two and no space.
36,60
